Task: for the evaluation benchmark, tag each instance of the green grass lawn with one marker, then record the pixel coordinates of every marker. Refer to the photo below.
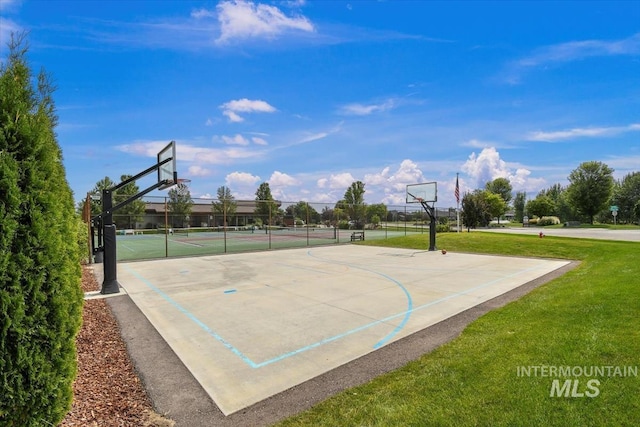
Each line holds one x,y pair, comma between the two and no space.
588,317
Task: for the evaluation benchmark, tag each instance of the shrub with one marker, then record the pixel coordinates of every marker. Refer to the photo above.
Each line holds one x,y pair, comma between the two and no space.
442,228
40,294
533,221
548,220
83,241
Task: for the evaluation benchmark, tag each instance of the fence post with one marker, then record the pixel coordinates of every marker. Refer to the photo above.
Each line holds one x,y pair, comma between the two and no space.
269,226
224,223
166,230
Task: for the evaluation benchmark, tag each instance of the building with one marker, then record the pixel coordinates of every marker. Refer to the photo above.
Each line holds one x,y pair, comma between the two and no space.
202,215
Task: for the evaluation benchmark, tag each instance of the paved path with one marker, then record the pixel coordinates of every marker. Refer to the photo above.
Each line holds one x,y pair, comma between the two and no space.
584,233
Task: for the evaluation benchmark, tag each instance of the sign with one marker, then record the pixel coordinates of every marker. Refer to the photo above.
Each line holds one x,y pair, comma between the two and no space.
613,208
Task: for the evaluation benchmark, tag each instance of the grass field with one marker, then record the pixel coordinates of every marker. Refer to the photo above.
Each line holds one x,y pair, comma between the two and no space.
587,318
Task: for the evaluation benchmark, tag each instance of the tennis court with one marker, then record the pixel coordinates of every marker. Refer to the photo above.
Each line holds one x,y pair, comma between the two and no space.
210,241
250,325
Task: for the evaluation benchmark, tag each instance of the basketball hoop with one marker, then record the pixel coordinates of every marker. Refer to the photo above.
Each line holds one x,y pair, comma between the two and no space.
179,181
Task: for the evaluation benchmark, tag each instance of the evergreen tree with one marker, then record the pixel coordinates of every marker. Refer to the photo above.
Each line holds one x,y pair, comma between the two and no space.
40,294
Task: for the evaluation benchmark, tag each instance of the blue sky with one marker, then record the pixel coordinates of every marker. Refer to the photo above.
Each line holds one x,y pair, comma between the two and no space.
311,96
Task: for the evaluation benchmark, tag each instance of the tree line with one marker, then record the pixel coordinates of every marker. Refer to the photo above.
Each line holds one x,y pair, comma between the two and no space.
349,212
587,198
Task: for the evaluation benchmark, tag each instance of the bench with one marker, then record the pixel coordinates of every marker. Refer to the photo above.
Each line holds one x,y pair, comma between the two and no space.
357,235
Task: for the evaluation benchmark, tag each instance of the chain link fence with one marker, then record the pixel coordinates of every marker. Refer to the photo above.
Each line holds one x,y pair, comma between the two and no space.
211,226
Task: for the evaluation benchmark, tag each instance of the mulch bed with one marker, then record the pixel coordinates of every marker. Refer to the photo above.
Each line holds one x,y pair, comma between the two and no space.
107,390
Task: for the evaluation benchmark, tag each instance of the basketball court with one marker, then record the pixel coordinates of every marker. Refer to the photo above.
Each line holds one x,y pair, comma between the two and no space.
251,325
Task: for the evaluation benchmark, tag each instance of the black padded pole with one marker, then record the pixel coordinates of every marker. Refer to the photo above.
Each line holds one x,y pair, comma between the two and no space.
110,284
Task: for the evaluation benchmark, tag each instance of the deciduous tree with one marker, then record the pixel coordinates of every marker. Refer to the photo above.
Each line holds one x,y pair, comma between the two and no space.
266,206
180,203
475,209
354,202
226,206
501,187
590,188
131,213
541,206
519,203
626,196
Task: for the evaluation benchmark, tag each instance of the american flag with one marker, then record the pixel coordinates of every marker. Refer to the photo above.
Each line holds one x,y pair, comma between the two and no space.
457,192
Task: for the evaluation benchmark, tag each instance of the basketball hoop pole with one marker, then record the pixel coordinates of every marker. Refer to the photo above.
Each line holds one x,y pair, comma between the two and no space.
432,225
110,284
425,193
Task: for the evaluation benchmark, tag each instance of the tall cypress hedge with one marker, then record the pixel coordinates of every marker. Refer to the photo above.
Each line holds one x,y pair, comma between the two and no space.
40,293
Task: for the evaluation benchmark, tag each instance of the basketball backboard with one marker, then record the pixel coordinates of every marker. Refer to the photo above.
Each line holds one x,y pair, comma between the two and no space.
425,192
167,172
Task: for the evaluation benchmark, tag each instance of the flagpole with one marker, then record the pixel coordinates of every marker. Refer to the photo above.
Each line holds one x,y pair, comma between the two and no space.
457,205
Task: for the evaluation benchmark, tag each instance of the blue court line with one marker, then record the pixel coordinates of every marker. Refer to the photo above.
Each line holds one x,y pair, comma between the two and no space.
407,312
193,318
283,356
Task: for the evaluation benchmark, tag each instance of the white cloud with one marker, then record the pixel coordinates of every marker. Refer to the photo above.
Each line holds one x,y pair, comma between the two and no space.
280,179
246,20
485,167
9,5
235,140
198,171
364,110
573,51
7,26
338,181
233,117
208,122
488,165
407,173
241,179
244,105
475,143
377,178
576,50
259,141
191,153
581,132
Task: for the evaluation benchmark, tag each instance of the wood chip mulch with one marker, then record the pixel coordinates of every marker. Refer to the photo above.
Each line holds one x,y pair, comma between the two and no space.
107,390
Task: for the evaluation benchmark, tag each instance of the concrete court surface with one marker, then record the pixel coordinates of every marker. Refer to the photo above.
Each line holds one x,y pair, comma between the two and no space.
251,325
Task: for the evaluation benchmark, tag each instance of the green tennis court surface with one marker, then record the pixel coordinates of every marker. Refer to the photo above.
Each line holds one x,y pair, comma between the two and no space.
251,325
184,242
